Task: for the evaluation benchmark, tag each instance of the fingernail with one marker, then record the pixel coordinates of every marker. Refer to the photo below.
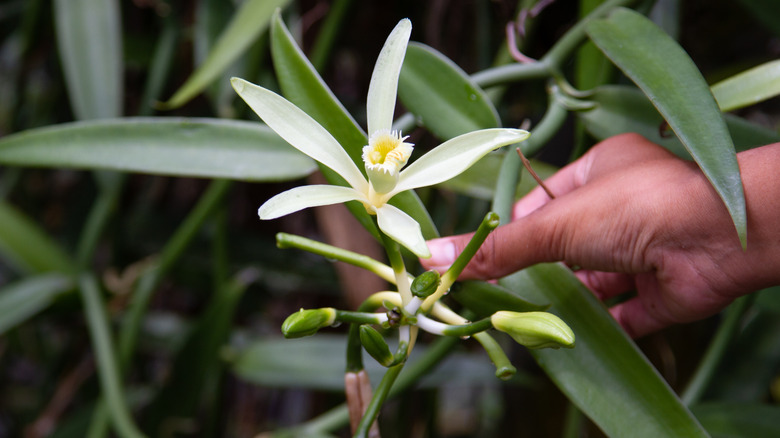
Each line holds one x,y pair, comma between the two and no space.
443,253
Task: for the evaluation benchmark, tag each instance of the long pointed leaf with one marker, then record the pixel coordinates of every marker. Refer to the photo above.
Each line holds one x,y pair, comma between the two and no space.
209,148
749,87
89,36
248,22
605,374
665,73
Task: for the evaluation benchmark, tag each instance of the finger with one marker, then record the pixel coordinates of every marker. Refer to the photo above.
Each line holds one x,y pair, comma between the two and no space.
606,285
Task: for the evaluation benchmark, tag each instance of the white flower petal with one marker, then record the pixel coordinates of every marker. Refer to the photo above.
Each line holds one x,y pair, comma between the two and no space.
454,156
402,228
300,130
384,81
304,197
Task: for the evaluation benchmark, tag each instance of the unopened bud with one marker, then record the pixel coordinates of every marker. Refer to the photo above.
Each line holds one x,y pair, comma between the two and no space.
308,322
425,284
375,345
534,329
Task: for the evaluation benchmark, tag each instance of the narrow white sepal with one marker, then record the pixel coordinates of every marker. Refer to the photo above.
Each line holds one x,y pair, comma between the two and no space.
300,130
454,156
304,197
383,87
403,229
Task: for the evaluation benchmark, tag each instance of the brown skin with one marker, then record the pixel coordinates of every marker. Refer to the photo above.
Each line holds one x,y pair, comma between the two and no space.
632,216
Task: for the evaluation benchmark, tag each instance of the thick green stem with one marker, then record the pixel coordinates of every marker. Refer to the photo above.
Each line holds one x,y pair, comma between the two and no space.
284,240
380,395
504,368
358,317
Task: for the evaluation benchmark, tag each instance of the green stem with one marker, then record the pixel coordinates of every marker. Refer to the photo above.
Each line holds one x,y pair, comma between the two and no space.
460,330
489,223
107,366
358,317
504,368
717,348
284,240
380,395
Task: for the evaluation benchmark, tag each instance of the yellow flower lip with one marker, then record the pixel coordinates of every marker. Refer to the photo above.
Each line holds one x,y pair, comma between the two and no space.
384,157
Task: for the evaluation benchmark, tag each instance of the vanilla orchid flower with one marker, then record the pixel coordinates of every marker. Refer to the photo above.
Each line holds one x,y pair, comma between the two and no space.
385,155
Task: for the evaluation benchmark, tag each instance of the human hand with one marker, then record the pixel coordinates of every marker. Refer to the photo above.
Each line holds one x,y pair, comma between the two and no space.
632,216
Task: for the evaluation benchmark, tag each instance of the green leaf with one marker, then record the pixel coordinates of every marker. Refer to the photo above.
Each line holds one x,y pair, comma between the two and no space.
665,73
605,374
749,87
733,420
209,148
248,22
305,88
441,95
22,300
89,38
622,109
27,247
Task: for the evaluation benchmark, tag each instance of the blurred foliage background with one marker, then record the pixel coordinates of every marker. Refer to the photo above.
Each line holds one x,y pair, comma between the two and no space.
209,360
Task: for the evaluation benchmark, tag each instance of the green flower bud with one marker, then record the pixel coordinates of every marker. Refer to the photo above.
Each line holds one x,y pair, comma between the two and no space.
375,345
425,284
308,322
534,329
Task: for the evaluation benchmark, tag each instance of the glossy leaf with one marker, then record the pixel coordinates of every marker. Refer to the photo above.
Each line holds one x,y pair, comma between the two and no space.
605,374
749,87
26,247
209,148
665,73
302,86
21,300
248,22
623,109
441,95
734,420
89,38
